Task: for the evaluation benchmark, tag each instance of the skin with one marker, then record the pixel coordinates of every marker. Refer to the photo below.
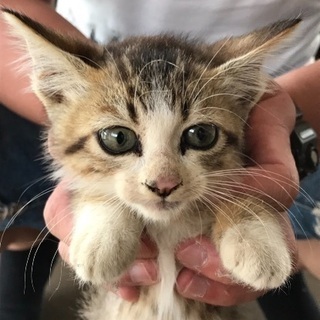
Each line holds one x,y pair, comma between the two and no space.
308,250
200,279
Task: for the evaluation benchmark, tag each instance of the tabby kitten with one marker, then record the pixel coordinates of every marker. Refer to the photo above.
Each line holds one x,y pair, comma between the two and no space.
149,132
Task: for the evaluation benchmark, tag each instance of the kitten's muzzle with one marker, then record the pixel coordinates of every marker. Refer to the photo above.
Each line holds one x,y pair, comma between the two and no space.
163,187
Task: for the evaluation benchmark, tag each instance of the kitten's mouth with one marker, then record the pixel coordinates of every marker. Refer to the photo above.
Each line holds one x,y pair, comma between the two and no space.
166,205
159,210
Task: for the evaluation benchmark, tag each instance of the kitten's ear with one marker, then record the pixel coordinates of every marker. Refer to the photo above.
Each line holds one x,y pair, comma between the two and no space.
59,64
242,72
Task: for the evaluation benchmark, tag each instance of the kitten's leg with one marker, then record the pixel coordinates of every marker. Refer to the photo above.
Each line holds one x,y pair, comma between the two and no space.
104,242
252,245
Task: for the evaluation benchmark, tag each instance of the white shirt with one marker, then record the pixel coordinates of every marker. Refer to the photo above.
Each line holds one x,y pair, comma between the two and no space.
209,20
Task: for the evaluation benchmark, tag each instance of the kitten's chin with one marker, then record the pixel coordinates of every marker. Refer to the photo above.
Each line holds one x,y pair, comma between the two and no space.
165,205
161,210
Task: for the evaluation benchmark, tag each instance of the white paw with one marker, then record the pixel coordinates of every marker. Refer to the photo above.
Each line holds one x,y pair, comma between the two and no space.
256,254
95,261
104,243
83,259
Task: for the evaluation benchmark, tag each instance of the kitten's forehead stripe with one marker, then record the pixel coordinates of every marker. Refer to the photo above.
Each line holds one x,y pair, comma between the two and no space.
77,146
139,98
185,110
163,63
132,112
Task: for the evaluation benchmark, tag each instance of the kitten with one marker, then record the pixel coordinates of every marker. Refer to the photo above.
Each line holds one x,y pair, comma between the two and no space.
149,132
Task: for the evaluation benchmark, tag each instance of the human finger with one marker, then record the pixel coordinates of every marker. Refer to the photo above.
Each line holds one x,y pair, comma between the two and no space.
57,214
200,255
272,171
141,273
197,287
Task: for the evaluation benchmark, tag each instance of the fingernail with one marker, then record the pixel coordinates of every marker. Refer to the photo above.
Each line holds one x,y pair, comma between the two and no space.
193,256
140,275
193,286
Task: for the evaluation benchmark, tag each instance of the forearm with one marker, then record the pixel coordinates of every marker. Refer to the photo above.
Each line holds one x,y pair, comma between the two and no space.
14,86
303,85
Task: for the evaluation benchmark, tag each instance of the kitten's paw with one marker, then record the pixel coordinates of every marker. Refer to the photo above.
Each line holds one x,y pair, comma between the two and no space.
96,260
104,242
256,254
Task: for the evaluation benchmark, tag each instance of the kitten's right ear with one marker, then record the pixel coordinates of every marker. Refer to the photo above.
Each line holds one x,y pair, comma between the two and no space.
259,42
241,73
59,64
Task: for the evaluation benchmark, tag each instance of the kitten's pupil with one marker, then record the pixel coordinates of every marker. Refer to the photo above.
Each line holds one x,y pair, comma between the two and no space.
200,137
120,137
118,140
201,134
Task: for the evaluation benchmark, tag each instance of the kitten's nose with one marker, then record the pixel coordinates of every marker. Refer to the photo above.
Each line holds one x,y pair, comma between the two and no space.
164,186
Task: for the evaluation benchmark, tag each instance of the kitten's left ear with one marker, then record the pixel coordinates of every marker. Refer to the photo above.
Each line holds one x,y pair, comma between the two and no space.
60,64
241,74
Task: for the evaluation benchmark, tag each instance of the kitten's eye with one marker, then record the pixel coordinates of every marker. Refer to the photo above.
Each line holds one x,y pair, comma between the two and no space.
200,136
117,140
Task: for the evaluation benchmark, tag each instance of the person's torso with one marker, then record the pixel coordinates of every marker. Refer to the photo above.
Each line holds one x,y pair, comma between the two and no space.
209,20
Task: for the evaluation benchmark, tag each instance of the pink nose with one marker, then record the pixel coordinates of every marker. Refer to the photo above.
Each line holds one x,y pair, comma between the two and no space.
164,186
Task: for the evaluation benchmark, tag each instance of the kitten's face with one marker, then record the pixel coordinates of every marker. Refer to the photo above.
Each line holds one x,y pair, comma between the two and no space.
151,122
149,138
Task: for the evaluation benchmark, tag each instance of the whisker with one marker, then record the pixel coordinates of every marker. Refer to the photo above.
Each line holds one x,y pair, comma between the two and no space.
210,205
14,216
206,68
59,282
200,111
42,237
43,178
281,181
214,77
222,94
229,186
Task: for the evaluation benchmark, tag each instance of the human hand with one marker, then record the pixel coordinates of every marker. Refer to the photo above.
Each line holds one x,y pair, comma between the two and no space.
272,170
204,279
